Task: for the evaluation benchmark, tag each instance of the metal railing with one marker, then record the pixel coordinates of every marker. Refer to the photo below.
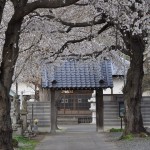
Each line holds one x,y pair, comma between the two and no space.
85,120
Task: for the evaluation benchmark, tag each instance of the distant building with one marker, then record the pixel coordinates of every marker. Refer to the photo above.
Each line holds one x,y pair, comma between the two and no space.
76,81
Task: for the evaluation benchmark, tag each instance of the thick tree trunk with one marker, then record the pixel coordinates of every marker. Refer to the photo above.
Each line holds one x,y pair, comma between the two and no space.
9,57
5,120
133,90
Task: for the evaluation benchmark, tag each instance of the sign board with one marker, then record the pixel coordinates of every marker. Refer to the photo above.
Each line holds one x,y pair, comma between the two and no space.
121,109
67,91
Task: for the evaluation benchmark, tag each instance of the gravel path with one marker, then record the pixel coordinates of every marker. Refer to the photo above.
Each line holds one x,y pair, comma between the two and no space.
135,144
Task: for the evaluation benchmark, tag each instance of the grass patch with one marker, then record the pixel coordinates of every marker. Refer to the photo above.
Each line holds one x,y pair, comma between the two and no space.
25,143
143,135
127,137
116,130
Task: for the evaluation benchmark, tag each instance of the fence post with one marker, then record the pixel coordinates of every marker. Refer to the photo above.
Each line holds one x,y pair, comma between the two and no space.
32,119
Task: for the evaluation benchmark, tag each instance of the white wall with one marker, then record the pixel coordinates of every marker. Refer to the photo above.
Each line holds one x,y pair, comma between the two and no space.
147,93
27,89
118,83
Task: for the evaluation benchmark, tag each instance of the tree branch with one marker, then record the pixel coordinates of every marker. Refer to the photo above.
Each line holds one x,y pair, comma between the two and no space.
86,56
70,24
120,48
83,4
32,45
89,38
46,4
83,24
27,58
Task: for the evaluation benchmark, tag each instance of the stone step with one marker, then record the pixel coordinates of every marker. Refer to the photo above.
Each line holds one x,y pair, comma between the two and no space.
145,104
39,110
115,113
36,116
145,110
146,119
145,113
113,119
71,116
112,124
39,107
111,106
146,123
67,121
44,124
38,103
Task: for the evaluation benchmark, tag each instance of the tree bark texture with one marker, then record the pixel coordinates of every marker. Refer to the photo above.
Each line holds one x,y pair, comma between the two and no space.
45,4
99,110
133,89
5,120
9,57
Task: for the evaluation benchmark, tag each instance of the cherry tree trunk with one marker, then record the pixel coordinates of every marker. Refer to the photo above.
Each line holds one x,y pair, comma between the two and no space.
9,57
5,120
133,90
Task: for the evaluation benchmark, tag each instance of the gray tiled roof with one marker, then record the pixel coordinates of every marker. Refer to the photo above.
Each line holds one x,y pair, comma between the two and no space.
74,74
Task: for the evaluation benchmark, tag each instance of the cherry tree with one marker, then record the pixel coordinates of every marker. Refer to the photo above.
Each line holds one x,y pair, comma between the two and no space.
131,19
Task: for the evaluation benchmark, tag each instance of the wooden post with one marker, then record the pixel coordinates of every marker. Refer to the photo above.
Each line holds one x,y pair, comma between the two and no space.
57,103
111,94
53,111
99,110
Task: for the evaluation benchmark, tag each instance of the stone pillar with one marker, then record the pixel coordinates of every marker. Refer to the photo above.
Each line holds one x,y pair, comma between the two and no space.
16,111
16,122
23,112
24,120
99,110
92,100
94,116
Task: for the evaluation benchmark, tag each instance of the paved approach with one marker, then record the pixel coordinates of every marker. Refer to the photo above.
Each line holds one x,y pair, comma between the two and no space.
76,137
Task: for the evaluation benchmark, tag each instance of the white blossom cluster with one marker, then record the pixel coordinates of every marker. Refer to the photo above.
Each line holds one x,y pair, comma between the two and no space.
52,40
129,15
